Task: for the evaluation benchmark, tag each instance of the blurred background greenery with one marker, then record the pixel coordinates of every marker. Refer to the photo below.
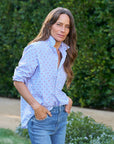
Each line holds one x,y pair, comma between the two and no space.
93,84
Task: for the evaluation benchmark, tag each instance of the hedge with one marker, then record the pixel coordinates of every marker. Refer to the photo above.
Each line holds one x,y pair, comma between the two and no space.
93,69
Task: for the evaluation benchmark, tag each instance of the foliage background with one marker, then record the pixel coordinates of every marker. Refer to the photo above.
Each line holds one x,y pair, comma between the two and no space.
93,70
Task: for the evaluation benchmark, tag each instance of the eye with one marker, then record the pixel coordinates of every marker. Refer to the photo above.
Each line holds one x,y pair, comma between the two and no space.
59,24
68,26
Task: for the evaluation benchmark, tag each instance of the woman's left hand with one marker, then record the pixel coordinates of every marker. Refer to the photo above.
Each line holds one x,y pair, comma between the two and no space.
69,105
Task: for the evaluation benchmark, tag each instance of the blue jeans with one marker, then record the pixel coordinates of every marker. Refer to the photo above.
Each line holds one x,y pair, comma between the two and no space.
51,130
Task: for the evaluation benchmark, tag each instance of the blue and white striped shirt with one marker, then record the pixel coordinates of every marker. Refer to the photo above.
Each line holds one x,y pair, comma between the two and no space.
38,69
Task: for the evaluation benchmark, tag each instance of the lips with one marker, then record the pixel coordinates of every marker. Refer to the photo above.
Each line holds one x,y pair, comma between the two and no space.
62,36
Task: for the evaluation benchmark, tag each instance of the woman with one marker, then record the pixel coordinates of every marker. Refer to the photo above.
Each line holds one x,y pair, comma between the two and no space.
40,76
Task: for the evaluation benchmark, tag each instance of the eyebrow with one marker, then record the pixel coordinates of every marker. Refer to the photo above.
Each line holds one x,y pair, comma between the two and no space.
62,23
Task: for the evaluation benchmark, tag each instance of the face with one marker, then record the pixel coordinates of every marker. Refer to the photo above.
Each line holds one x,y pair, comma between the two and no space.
61,28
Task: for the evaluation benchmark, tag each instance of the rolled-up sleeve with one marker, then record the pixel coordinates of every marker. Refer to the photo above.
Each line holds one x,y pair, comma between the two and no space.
27,64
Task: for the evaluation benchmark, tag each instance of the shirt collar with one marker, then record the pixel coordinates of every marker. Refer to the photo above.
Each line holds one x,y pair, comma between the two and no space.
52,43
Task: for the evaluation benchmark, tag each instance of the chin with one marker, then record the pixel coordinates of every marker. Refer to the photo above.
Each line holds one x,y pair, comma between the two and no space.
59,39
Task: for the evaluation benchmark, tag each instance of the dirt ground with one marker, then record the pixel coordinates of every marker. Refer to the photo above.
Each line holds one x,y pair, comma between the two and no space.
10,114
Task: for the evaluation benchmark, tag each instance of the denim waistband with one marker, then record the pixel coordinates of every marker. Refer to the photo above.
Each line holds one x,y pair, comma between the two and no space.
58,109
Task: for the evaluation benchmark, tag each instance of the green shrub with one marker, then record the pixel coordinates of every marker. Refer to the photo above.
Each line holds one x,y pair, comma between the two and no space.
93,82
22,132
82,130
20,23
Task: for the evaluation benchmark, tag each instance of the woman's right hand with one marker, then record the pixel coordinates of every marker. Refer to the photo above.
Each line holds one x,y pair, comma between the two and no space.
41,112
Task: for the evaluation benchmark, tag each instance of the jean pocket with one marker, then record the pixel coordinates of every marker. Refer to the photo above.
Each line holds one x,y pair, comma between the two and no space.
42,119
65,112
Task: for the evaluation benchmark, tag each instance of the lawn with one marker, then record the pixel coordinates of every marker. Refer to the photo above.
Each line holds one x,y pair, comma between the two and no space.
9,137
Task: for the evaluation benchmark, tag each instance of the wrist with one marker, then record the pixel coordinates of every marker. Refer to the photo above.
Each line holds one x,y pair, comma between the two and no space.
35,105
70,100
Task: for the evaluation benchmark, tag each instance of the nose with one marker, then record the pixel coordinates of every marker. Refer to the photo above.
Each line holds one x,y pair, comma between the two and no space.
62,28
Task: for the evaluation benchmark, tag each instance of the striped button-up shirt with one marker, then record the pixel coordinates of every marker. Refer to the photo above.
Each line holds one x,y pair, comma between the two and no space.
38,69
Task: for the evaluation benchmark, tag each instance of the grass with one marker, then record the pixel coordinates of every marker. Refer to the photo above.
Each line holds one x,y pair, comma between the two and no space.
9,137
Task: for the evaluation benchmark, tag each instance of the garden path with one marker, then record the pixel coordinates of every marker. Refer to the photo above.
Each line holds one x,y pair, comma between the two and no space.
10,114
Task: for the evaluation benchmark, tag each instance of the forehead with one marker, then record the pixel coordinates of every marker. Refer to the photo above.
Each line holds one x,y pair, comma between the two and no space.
64,18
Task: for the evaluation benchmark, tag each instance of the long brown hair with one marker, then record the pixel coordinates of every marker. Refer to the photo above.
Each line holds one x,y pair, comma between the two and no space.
70,40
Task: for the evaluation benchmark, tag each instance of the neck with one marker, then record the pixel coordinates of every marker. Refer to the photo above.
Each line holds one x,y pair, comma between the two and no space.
57,45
